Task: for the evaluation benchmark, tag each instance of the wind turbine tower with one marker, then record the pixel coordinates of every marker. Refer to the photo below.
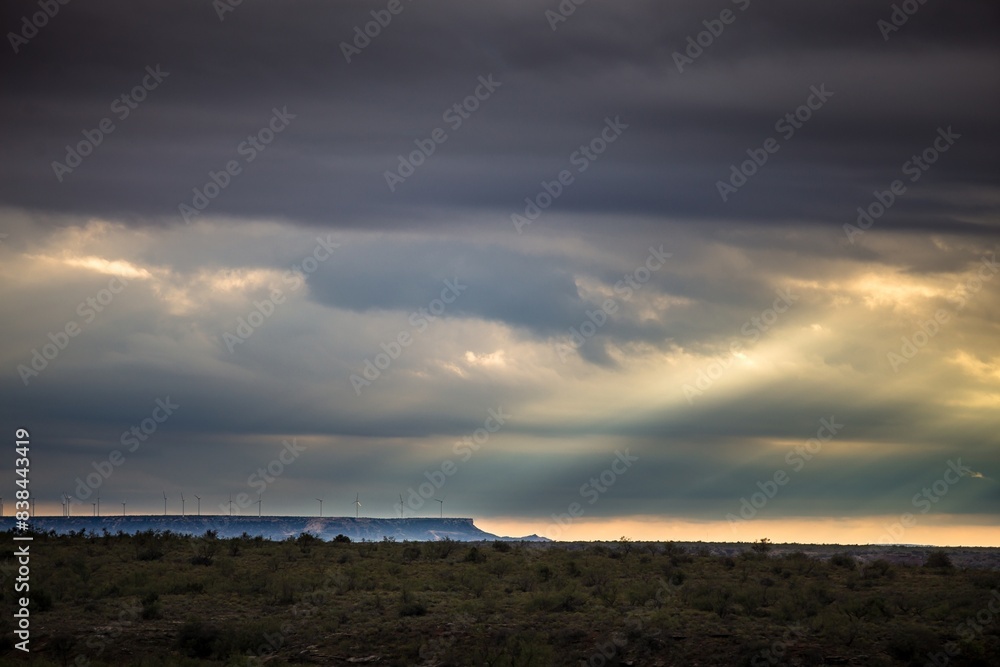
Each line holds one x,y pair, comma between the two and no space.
357,505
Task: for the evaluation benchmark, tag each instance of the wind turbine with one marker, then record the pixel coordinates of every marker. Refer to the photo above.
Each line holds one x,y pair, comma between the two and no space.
98,504
260,499
441,503
357,505
123,508
182,504
230,504
320,507
199,504
164,503
401,506
94,506
69,504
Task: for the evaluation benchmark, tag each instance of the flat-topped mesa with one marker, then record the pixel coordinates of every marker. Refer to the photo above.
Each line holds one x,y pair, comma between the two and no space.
460,529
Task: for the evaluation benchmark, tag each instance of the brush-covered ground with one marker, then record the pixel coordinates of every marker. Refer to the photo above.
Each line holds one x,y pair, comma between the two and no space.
166,599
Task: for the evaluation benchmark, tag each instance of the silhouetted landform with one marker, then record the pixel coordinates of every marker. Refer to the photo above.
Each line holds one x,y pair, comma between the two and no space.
276,527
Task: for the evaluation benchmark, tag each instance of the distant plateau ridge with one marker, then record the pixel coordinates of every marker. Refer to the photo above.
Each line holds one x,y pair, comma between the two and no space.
275,527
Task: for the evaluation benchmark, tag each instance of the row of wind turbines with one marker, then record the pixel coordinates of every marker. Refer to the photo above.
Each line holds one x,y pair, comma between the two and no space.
67,505
402,505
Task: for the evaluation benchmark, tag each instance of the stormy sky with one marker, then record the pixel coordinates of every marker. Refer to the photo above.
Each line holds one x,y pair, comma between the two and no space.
666,270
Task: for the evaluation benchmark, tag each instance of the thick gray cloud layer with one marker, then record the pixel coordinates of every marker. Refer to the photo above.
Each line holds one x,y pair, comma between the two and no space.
697,369
352,120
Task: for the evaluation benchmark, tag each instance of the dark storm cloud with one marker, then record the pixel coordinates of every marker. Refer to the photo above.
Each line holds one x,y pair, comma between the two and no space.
488,282
352,120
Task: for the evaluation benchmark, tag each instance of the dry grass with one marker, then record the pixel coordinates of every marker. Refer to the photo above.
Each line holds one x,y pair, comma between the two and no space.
156,599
